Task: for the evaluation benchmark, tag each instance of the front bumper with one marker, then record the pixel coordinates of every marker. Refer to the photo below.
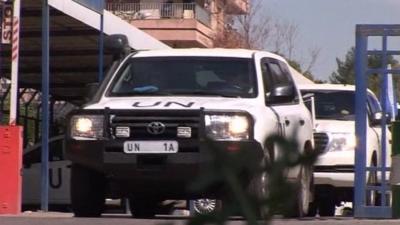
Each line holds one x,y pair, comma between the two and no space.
164,174
334,179
335,169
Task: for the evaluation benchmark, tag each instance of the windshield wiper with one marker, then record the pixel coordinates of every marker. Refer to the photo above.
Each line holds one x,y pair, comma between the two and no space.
349,117
207,93
157,93
171,93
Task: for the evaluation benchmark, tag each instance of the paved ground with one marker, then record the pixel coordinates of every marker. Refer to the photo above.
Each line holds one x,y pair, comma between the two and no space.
37,218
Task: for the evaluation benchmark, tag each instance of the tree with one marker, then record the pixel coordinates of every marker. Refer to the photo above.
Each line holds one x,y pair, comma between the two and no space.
251,30
257,30
306,73
345,73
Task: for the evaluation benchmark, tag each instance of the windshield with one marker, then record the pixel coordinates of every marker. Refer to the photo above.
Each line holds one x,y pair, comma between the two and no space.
333,104
203,76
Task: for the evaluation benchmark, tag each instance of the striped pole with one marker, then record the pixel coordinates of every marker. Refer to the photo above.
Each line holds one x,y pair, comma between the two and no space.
15,39
14,63
395,169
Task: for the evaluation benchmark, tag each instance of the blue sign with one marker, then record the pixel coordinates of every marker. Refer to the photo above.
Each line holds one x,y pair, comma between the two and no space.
95,5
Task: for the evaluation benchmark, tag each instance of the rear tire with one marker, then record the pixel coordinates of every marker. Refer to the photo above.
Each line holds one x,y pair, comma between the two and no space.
325,200
144,207
87,192
312,209
327,206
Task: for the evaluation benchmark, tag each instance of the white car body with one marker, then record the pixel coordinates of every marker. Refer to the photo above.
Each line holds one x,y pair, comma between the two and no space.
336,168
269,119
271,106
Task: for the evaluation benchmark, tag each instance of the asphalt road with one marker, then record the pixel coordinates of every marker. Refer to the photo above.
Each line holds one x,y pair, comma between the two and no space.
122,219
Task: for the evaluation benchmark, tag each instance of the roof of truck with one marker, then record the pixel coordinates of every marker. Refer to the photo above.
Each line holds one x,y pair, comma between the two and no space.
221,52
343,87
333,87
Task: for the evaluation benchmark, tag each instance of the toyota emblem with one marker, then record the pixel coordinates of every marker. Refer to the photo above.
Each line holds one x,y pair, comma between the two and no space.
155,128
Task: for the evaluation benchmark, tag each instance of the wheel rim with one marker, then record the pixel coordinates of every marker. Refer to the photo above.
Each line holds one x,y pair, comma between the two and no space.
371,194
205,206
264,183
371,198
305,187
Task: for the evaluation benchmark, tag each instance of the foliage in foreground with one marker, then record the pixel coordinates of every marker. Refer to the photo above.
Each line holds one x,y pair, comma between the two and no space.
228,171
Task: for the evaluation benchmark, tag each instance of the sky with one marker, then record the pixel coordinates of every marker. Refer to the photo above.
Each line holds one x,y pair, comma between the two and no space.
330,26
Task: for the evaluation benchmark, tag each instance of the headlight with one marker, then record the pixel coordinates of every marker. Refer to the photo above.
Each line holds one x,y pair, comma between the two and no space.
87,127
341,142
227,127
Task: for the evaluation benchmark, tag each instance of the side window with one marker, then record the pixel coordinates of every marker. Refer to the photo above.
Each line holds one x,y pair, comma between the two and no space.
286,72
267,81
276,73
288,77
373,105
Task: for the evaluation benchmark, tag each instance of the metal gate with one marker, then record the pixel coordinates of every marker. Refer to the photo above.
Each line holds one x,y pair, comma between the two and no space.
362,52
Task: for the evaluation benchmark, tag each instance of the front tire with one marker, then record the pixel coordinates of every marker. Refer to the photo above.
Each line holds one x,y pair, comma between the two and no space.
259,188
303,198
372,196
87,192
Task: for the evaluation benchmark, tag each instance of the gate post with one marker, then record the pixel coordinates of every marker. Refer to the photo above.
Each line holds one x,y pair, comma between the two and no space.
360,122
363,70
395,169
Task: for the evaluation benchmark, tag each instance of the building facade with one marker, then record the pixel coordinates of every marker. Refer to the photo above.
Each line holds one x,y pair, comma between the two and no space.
179,23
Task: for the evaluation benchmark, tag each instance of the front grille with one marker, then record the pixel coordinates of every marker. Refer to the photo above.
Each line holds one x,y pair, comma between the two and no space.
334,169
138,122
321,141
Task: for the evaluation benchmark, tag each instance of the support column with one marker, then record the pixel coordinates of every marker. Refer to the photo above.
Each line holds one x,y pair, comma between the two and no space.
395,169
45,107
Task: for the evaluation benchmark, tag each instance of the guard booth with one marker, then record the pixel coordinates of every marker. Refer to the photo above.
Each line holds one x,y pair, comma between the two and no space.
367,38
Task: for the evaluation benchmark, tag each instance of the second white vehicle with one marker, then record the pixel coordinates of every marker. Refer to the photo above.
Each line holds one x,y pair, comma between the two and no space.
335,138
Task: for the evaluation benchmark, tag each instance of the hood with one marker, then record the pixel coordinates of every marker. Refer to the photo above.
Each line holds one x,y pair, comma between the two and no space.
176,103
335,126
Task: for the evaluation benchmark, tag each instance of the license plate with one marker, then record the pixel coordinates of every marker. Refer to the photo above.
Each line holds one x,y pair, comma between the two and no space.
150,147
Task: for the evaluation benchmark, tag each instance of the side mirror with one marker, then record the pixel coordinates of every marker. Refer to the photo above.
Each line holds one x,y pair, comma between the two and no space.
117,45
377,117
90,90
308,96
281,93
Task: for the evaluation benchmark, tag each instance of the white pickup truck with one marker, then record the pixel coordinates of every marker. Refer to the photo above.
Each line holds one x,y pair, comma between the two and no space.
335,138
144,132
